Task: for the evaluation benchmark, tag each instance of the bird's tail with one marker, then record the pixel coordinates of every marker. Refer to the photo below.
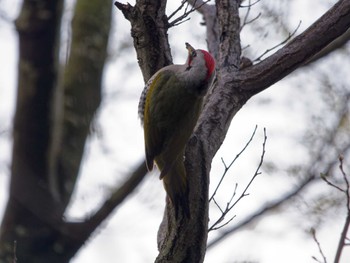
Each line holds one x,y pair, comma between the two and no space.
175,184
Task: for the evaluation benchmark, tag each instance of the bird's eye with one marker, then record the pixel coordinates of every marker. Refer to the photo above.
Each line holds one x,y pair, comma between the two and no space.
194,53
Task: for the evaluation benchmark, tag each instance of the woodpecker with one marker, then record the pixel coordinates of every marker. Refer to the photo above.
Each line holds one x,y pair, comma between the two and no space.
169,108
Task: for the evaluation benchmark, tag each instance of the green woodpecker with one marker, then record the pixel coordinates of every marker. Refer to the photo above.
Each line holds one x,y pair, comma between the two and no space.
169,108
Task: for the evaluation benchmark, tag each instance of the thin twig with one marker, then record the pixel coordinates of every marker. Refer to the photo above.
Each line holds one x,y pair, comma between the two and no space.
229,204
343,238
234,193
310,177
226,223
251,21
178,9
244,193
245,19
324,178
313,232
180,19
223,162
246,16
228,167
218,205
290,35
347,241
250,4
341,159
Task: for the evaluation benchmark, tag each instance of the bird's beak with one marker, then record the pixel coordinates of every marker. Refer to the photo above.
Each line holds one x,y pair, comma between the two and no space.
189,48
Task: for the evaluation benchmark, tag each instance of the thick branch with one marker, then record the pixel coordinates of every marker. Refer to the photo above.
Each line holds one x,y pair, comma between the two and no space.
117,197
334,45
149,31
81,94
211,25
224,102
229,25
76,234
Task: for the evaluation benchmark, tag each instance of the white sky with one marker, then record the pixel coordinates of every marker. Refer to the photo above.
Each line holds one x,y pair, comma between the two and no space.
134,225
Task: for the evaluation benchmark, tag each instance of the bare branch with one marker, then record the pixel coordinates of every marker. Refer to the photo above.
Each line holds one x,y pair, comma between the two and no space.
290,35
321,33
311,175
336,44
116,198
228,167
343,238
257,172
216,203
229,204
233,194
200,5
313,233
211,24
183,2
324,178
249,4
186,13
221,226
245,19
346,180
264,210
80,231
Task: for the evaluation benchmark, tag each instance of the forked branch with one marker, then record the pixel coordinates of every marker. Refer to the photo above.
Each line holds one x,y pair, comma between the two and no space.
227,167
190,8
343,241
245,19
313,233
245,193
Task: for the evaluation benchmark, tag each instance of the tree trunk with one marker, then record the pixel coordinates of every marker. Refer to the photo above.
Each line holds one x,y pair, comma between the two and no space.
30,205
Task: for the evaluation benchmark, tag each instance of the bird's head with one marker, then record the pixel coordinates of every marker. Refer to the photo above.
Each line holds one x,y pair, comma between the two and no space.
200,60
